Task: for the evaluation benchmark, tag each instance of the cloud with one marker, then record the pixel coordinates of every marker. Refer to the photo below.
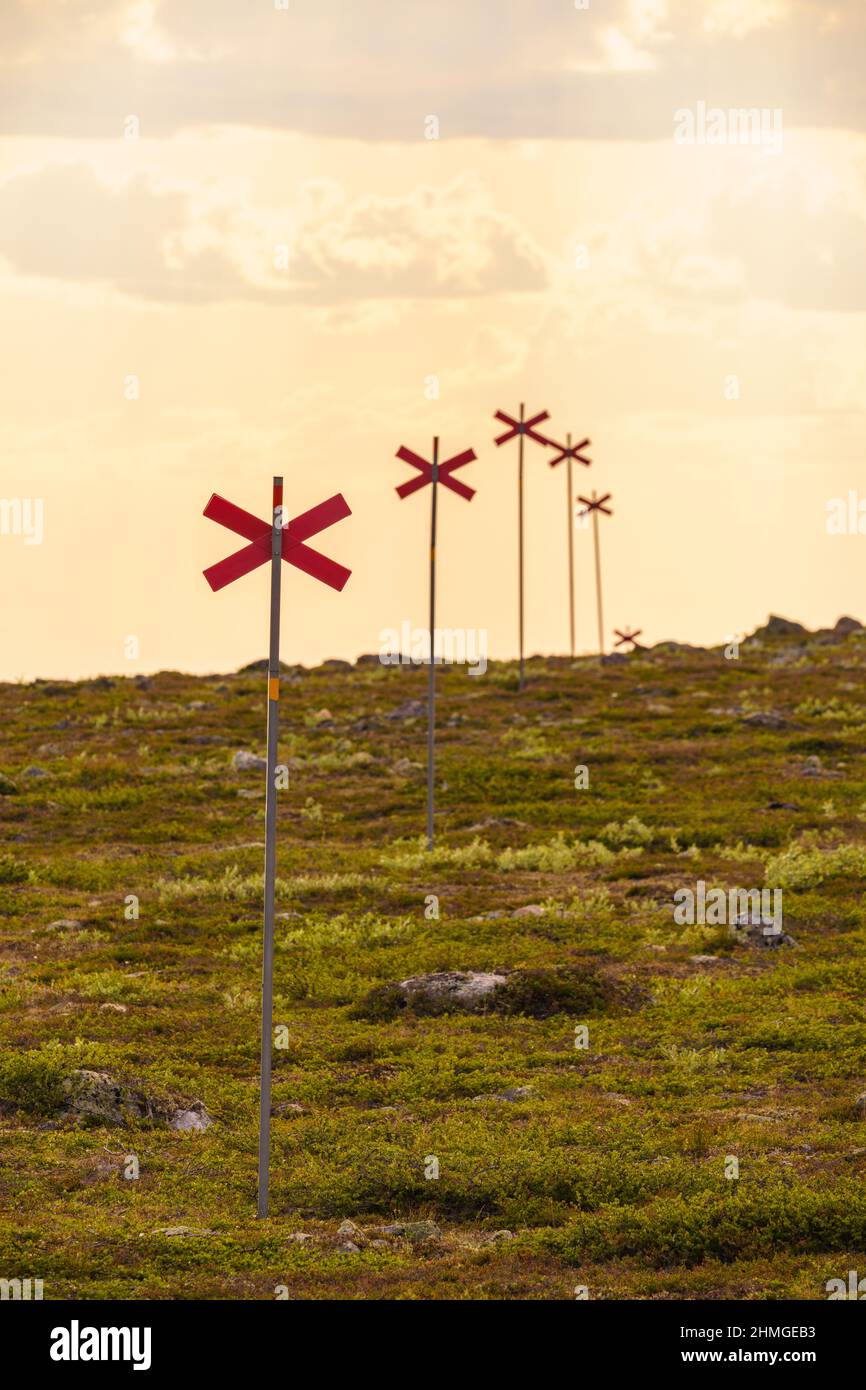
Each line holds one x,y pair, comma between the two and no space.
373,70
197,245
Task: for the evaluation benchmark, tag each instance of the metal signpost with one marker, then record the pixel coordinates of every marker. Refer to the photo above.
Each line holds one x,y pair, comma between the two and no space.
433,473
595,505
274,540
517,429
568,452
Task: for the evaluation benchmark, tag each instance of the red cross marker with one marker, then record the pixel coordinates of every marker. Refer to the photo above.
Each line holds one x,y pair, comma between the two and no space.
294,533
567,452
628,637
518,429
443,475
522,426
434,473
595,505
273,540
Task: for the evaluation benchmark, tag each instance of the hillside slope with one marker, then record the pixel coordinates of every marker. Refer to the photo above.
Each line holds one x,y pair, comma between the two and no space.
560,1165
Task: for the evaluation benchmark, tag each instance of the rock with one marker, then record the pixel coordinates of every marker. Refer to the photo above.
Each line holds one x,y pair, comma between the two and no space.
299,1237
248,762
195,1118
336,663
779,627
96,1097
114,1008
65,924
846,625
860,1106
249,793
349,1247
752,929
514,1094
450,989
614,659
704,960
766,719
409,709
173,1232
404,767
499,1235
368,659
530,910
36,772
288,1107
348,1230
415,1231
7,786
781,806
323,717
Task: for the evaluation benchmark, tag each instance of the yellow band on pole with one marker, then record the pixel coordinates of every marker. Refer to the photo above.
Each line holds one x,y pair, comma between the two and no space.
274,688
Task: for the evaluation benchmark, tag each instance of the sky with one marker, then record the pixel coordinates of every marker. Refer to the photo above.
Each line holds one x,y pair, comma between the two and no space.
241,238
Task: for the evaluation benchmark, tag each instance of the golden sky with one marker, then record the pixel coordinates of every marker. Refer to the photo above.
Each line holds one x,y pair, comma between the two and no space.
239,204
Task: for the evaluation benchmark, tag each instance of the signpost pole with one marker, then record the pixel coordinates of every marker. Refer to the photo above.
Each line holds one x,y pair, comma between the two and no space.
270,851
598,582
520,538
431,694
570,520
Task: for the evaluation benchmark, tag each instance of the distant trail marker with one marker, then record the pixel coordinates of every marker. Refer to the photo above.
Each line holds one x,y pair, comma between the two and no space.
628,637
568,452
595,505
272,541
517,429
433,473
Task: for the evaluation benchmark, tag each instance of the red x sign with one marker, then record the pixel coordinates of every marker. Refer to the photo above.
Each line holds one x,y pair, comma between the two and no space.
294,533
627,636
522,427
444,471
596,504
570,451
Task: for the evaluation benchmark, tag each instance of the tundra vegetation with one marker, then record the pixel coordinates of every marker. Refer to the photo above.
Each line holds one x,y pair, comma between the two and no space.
575,1126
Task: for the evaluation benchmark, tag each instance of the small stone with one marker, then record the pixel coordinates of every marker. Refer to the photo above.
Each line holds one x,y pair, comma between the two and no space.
350,1247
348,1230
415,1231
404,767
65,924
299,1237
194,1119
182,1231
530,910
323,717
248,762
516,1093
499,1235
860,1106
409,709
114,1008
704,960
36,772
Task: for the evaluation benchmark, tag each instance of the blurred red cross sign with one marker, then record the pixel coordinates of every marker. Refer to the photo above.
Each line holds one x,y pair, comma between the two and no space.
570,451
596,504
627,636
294,534
440,472
521,427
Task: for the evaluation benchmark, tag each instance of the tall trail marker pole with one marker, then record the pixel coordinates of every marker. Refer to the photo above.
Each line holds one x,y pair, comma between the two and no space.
568,452
274,540
595,505
628,637
518,428
433,473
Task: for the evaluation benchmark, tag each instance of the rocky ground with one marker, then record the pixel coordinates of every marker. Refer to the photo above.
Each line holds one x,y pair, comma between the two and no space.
502,1070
